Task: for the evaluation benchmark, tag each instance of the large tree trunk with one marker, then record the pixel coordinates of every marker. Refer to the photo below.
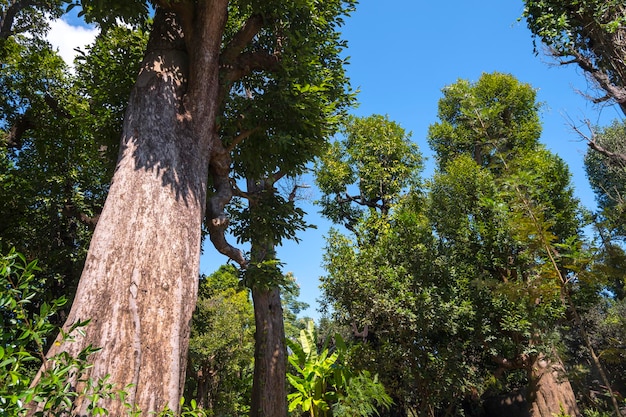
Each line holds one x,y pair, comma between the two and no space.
269,396
549,391
139,283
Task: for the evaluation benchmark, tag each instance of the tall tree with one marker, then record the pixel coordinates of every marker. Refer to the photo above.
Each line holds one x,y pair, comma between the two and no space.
502,229
139,282
273,127
370,284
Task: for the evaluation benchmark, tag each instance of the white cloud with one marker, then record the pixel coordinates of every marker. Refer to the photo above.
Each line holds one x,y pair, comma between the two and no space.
66,38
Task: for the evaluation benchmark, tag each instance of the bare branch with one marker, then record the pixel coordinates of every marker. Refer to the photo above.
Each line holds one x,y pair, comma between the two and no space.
615,92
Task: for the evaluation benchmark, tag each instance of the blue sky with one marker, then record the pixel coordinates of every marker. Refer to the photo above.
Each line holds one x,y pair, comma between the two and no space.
402,53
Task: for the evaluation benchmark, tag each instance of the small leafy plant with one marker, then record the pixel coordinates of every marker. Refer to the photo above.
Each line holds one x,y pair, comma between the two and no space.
25,328
326,386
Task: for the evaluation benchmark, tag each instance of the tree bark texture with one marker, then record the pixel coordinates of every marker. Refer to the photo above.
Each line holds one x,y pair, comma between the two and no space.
549,391
269,396
139,283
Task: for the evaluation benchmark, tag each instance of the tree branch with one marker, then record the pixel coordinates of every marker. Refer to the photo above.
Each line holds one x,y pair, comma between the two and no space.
244,65
90,221
357,334
53,103
13,138
219,170
359,200
614,157
8,17
615,92
240,137
248,31
504,364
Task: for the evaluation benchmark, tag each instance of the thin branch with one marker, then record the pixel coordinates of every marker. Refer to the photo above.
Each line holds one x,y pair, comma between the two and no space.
238,192
360,200
617,93
277,176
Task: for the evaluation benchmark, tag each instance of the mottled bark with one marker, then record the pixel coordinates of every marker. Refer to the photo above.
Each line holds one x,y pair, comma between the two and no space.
139,283
549,391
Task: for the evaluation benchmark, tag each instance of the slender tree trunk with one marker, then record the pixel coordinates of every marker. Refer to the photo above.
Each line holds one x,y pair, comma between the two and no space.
269,396
139,283
202,388
549,391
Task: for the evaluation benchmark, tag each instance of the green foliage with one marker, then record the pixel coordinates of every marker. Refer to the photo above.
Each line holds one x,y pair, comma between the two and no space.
271,217
606,329
326,385
419,322
221,347
29,17
22,340
496,114
109,13
457,279
23,336
367,169
290,291
293,109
